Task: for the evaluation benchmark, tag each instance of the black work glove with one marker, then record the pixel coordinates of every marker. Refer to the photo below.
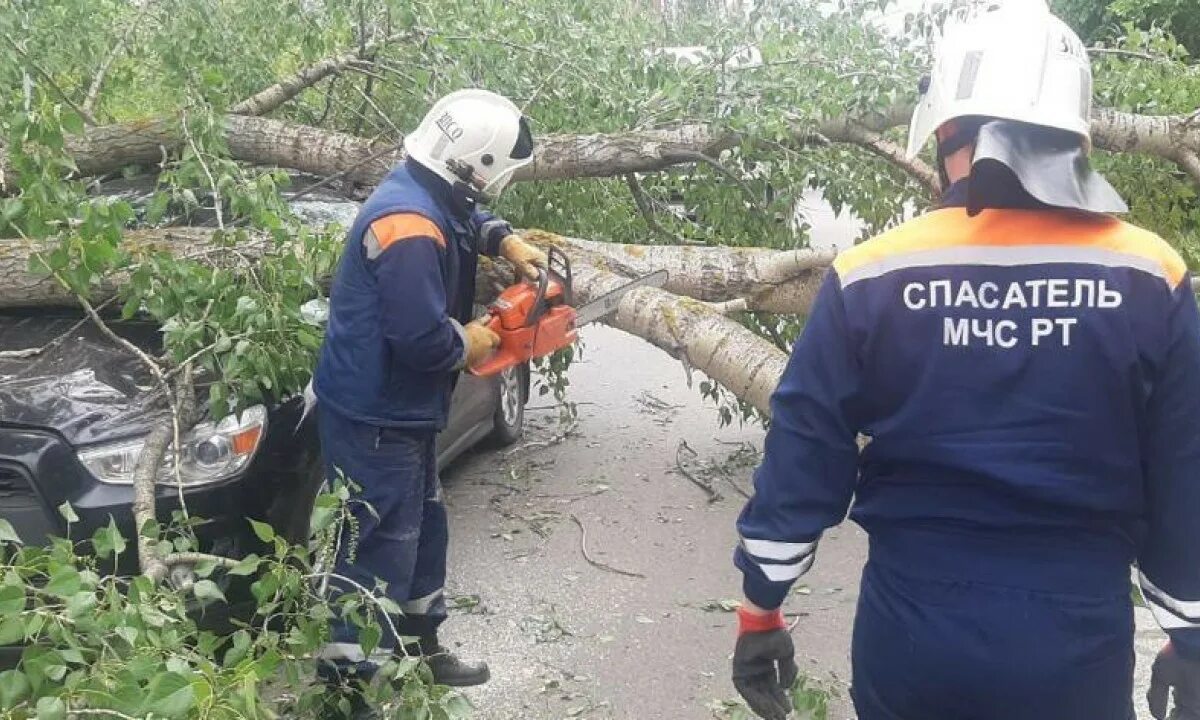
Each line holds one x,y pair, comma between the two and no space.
764,664
1171,671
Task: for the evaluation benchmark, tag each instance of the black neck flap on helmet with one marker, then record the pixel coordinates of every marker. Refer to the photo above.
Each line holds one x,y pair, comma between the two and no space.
1048,164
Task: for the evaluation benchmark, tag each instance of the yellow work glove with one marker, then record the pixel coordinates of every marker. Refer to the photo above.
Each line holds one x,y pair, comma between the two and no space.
526,258
481,342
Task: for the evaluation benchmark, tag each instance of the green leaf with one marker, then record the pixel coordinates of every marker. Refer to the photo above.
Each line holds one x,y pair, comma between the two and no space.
51,708
170,695
264,588
81,603
246,566
72,123
12,209
108,540
12,630
14,687
8,533
322,517
68,512
241,645
207,591
56,673
369,637
265,532
64,582
127,633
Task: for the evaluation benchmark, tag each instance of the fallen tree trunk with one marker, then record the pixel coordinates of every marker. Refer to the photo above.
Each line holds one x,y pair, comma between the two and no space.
21,288
263,141
690,329
768,280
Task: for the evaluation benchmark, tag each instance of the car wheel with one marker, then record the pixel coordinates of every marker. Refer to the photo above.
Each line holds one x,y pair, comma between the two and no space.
508,423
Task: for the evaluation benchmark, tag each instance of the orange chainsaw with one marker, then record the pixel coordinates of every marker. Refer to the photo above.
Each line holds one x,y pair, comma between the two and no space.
534,319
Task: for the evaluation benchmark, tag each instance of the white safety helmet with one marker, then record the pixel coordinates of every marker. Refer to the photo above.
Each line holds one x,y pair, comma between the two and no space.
1010,60
474,137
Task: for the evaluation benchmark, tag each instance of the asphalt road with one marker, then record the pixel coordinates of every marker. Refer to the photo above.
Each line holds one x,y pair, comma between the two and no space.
643,629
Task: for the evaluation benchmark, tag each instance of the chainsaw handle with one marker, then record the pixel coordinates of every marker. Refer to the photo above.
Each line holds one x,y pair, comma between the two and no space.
495,364
539,302
498,361
565,279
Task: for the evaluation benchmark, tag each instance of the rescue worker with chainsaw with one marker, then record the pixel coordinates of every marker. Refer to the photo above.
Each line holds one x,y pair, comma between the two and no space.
399,333
1022,369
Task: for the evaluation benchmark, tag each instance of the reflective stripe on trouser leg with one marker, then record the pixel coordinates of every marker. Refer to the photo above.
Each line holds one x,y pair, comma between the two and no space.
425,607
392,471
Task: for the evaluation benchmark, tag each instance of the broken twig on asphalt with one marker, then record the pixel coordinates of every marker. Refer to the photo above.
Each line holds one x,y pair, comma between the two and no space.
567,432
594,562
713,494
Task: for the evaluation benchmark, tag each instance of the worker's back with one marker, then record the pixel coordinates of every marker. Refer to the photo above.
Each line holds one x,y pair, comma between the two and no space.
1006,363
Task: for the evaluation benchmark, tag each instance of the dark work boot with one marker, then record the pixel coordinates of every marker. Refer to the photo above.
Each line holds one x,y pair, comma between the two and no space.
446,667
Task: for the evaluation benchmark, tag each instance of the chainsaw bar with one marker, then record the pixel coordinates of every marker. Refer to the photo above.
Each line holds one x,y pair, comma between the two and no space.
608,302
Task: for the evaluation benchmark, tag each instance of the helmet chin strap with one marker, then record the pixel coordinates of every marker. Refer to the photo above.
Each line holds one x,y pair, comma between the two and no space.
466,191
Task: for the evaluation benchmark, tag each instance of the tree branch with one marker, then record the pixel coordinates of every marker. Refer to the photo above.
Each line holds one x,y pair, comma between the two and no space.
93,93
890,151
1190,162
720,167
263,141
195,558
87,117
1128,54
272,97
646,208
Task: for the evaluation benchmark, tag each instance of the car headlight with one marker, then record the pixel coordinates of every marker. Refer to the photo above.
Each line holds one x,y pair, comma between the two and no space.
211,452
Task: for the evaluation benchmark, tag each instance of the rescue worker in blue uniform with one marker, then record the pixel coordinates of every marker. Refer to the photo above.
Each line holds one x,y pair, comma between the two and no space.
399,332
1005,394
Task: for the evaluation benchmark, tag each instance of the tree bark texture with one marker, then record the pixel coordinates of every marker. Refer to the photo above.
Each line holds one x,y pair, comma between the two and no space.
264,141
24,289
691,329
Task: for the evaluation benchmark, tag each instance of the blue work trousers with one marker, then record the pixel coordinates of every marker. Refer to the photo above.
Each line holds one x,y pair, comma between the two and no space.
963,650
400,535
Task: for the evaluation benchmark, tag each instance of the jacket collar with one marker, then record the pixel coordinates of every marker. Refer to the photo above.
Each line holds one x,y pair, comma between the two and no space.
437,188
955,195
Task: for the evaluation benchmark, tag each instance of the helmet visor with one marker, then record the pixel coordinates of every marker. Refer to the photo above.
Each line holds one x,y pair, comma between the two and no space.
523,148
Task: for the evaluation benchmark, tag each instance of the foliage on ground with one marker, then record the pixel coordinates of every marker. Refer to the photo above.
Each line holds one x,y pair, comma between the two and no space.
100,643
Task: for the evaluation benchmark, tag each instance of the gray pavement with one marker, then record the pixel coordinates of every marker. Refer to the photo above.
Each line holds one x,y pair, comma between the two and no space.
569,637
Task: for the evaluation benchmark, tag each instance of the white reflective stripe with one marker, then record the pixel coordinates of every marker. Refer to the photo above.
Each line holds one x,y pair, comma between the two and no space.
1168,620
785,573
1005,256
371,243
1190,609
421,605
772,550
352,652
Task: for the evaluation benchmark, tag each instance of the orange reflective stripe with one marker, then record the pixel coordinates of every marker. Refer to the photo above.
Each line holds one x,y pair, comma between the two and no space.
405,226
953,228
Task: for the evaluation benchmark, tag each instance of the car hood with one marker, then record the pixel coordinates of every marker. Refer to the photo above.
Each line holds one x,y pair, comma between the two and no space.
59,372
